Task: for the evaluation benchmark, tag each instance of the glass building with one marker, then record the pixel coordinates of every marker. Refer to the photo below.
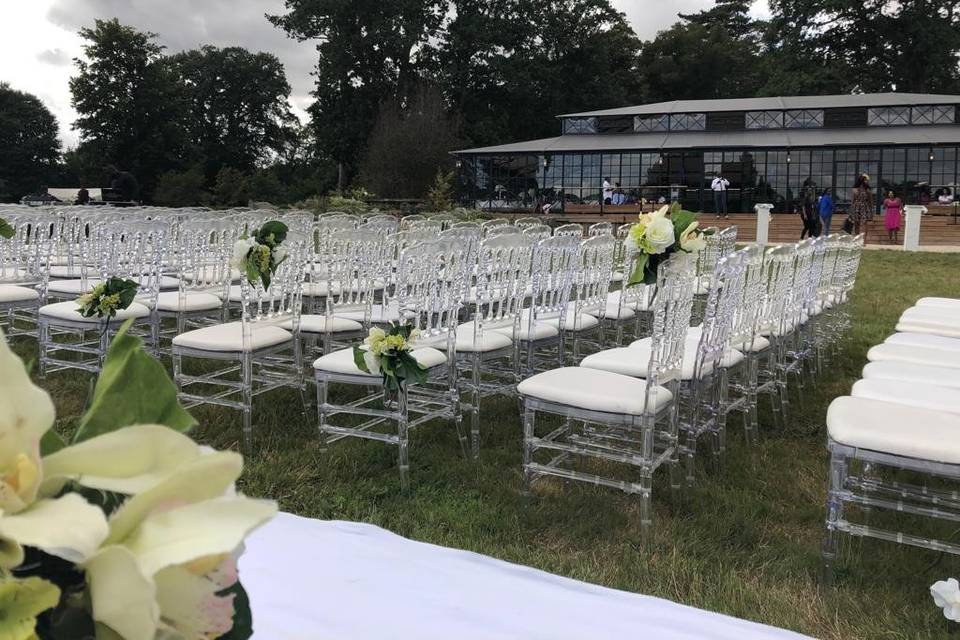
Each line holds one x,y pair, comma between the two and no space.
766,147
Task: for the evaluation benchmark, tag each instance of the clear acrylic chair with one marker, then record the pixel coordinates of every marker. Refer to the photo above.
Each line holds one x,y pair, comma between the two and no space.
572,229
130,250
407,221
587,311
23,271
430,285
428,224
503,230
600,229
529,221
611,417
718,245
487,225
261,354
536,231
383,223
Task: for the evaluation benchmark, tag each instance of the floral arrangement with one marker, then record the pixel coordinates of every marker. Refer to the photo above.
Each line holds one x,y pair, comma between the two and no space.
946,595
258,255
6,231
127,532
389,354
106,298
659,235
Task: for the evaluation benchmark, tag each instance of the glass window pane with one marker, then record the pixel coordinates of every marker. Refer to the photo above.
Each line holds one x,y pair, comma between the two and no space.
579,125
764,120
651,123
888,116
688,122
803,118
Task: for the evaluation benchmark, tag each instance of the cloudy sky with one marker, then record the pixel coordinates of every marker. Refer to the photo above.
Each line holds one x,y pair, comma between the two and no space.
38,38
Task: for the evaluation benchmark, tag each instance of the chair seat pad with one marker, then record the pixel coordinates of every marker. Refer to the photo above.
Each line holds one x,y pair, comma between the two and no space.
924,340
642,348
70,311
952,303
13,293
315,323
320,289
917,355
489,340
541,330
948,330
378,314
909,393
894,428
640,302
64,271
759,343
616,312
229,337
193,301
939,313
582,322
341,361
910,372
209,273
75,287
595,390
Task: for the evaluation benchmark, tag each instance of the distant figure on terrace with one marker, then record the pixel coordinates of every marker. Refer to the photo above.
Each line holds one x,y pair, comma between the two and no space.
607,191
124,183
945,198
83,196
862,202
825,206
619,197
719,187
808,210
892,215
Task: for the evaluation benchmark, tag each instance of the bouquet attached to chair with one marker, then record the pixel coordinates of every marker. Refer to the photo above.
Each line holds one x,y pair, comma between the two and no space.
389,353
258,255
659,235
106,298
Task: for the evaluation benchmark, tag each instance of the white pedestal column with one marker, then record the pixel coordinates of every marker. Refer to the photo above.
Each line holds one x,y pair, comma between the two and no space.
763,222
911,230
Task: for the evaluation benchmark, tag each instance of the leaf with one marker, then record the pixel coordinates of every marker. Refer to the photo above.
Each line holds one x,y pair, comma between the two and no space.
6,231
133,388
21,601
242,616
640,265
275,228
358,359
51,442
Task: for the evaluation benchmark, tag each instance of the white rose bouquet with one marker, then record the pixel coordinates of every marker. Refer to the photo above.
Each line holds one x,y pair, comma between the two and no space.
259,254
129,532
389,353
660,234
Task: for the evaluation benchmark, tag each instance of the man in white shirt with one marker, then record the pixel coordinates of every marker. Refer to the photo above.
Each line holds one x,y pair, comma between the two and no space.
607,191
719,186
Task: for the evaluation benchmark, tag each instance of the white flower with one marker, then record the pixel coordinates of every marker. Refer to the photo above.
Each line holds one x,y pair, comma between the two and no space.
372,361
279,254
690,240
660,235
240,250
946,595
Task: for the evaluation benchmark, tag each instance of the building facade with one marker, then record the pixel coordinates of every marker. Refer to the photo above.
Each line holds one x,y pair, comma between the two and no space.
767,148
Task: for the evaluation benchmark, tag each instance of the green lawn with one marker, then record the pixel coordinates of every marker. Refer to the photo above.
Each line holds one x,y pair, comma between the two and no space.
744,542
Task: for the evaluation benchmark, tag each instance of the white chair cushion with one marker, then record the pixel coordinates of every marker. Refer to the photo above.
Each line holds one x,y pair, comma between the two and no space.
69,311
541,330
193,301
583,322
948,330
13,293
489,339
229,337
936,315
909,393
63,271
759,343
894,428
320,289
639,303
594,390
924,340
378,314
314,323
75,287
341,361
616,312
953,303
909,372
917,355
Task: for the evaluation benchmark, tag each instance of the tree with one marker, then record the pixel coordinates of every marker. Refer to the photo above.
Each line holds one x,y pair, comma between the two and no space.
130,106
29,148
368,51
407,145
181,188
238,111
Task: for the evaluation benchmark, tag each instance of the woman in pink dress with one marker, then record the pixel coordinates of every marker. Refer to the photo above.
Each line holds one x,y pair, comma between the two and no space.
892,210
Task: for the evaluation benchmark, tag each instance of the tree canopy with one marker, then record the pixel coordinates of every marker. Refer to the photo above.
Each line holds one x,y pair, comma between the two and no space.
29,148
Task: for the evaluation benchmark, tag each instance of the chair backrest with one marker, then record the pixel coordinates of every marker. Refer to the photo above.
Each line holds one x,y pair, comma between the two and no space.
799,287
529,221
746,316
298,222
428,224
811,284
537,231
555,266
470,236
134,250
281,302
671,310
601,229
381,223
718,245
407,221
25,256
352,267
572,229
723,298
503,230
595,273
471,224
781,264
445,219
502,280
204,249
487,225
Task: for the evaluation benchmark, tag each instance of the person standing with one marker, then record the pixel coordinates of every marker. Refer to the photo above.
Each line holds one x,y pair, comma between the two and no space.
892,216
808,210
862,203
719,187
825,207
607,191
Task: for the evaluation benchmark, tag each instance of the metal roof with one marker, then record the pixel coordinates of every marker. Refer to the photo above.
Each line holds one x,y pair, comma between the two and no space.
787,102
778,138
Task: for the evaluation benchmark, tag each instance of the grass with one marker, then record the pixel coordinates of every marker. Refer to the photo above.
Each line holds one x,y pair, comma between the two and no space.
744,542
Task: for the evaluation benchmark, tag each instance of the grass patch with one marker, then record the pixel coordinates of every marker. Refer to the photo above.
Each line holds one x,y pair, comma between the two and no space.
744,542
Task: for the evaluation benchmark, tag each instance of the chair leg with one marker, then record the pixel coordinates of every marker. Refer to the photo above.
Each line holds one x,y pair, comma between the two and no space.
838,474
403,454
43,342
246,365
646,512
529,420
322,413
475,408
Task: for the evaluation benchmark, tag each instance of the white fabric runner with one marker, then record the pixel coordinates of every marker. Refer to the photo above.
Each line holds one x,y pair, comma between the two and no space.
313,579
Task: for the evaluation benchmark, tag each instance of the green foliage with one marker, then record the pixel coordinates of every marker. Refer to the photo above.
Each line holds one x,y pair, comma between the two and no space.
29,144
181,188
133,388
21,601
106,298
392,350
440,196
6,230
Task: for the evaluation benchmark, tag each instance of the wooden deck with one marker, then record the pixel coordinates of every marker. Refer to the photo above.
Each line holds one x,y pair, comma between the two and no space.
935,230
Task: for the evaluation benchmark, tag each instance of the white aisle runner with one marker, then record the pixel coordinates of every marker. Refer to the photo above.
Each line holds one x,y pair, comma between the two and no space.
313,579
